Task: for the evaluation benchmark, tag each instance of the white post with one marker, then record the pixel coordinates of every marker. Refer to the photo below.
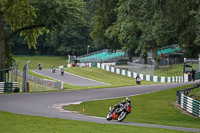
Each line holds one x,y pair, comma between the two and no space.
88,49
61,85
68,59
199,64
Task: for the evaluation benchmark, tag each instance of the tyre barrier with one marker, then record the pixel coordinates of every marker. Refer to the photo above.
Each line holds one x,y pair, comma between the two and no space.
190,105
9,87
187,103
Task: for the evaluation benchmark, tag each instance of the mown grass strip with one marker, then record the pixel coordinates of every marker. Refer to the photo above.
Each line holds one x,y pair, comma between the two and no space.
114,80
154,108
46,62
15,123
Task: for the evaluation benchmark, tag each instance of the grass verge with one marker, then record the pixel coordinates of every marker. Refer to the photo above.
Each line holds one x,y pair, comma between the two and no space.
154,108
14,123
195,94
114,80
46,62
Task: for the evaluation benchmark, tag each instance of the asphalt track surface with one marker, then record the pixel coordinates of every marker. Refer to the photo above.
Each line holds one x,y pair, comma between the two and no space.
49,104
69,78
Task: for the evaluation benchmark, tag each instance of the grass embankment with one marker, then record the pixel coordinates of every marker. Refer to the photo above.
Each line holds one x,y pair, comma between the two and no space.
174,70
104,76
195,94
14,123
154,108
46,62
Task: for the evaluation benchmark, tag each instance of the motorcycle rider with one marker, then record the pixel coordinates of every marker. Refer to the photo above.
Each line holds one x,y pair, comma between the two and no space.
53,69
62,71
127,100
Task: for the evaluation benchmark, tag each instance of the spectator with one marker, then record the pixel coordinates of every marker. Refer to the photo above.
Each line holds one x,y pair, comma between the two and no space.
193,74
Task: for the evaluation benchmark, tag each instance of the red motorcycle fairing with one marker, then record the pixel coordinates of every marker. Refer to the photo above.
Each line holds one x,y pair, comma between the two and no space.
128,109
114,116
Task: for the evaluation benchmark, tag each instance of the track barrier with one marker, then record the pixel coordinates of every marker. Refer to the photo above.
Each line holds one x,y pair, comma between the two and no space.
187,103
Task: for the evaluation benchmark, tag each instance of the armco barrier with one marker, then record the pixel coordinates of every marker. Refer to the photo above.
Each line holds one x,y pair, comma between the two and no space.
177,79
46,82
187,103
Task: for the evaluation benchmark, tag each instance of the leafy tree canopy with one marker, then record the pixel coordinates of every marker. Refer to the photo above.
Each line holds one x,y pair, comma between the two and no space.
31,18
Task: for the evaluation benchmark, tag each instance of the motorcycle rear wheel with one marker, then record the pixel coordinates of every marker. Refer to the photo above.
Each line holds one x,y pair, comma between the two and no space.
122,116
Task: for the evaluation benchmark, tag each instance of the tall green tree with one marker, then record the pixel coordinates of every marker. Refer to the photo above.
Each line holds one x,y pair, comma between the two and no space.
127,26
71,39
105,16
31,18
184,15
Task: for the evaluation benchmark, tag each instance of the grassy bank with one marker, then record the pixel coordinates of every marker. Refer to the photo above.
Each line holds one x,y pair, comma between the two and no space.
105,76
14,123
46,62
154,108
195,94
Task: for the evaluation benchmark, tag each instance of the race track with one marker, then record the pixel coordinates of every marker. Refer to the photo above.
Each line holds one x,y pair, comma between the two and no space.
39,104
69,78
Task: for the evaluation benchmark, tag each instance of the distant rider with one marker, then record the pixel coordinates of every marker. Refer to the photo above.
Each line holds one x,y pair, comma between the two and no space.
39,66
53,69
138,80
62,71
127,100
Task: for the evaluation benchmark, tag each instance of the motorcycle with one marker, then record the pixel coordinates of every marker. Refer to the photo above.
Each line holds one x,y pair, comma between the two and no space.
62,72
53,70
120,113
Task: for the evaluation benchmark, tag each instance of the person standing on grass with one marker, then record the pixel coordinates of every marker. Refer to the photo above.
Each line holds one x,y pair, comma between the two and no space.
193,74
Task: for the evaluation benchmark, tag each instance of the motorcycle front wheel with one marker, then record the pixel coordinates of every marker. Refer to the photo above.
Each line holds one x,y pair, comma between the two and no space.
122,116
108,117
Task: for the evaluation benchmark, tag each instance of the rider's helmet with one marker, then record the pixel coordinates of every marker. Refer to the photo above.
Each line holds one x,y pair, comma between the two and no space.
128,100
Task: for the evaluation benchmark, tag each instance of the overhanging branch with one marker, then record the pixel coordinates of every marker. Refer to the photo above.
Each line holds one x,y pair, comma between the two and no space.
23,29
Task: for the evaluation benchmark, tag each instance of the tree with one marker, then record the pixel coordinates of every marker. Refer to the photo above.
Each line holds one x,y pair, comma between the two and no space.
104,17
71,39
31,18
127,27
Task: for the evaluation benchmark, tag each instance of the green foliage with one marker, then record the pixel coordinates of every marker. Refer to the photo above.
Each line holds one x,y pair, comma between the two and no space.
144,25
31,18
9,57
104,17
71,39
19,14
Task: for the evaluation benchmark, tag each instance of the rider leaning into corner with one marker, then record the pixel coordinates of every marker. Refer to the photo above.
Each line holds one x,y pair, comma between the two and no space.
127,100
